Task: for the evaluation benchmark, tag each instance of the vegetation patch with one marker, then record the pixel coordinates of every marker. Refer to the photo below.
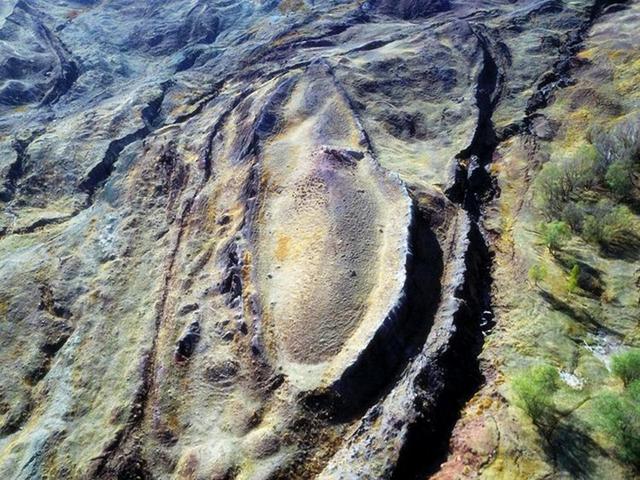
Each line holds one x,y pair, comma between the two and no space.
593,192
618,414
534,389
627,366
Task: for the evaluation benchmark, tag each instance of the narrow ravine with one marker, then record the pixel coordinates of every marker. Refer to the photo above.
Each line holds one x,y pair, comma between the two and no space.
473,188
458,370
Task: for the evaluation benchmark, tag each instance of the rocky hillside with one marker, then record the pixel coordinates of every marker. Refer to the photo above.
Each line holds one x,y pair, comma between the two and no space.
333,239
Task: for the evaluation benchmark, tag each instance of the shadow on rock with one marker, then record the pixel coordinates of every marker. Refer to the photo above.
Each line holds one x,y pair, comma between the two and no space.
572,450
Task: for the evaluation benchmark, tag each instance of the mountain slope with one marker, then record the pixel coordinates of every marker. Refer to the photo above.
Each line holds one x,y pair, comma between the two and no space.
309,239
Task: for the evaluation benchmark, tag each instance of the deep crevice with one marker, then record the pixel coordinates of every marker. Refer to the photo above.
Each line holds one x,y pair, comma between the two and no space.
473,185
455,376
101,172
403,333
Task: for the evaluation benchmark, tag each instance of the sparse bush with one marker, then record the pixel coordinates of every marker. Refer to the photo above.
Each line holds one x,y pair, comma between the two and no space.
537,273
611,226
555,235
608,296
559,181
572,281
620,143
550,195
534,389
627,366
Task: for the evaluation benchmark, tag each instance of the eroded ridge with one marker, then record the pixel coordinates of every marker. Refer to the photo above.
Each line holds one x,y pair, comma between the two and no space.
332,235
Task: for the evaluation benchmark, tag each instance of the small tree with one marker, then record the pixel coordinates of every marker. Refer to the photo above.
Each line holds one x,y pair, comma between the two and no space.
573,215
534,389
555,235
572,281
619,416
537,273
627,366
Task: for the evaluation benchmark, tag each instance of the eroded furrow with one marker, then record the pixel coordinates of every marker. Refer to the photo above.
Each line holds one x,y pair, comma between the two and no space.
17,168
101,172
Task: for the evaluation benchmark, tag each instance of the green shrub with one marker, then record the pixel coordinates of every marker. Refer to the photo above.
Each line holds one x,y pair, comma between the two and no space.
619,416
619,178
572,281
594,229
611,226
537,273
627,366
534,389
555,235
